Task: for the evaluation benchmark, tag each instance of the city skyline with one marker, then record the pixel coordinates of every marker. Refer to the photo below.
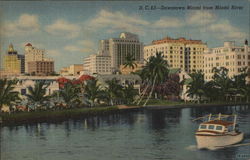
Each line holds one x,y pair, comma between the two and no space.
70,31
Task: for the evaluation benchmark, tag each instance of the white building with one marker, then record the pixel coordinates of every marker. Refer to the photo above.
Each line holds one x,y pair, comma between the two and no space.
97,64
33,54
230,56
24,82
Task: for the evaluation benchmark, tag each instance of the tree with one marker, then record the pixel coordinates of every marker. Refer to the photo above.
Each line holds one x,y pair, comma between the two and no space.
129,93
222,82
7,93
130,62
93,92
197,86
113,91
155,72
38,92
69,93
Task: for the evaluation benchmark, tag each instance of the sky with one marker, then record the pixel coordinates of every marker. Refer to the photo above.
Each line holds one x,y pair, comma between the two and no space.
71,30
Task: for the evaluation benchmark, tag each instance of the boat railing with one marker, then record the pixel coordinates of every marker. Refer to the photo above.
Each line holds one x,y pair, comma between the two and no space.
219,116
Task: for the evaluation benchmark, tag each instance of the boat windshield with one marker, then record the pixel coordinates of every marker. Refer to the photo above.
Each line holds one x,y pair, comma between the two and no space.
203,126
211,127
219,128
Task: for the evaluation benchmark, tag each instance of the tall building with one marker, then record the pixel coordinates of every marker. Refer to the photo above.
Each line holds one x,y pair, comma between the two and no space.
36,62
180,53
119,48
13,62
97,64
230,56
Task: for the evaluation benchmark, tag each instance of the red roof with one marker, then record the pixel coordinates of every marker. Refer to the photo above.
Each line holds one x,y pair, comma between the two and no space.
28,44
86,77
219,122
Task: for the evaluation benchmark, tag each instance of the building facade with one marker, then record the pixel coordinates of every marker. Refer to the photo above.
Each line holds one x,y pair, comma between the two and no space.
40,67
36,62
97,64
230,56
180,53
119,48
13,62
72,70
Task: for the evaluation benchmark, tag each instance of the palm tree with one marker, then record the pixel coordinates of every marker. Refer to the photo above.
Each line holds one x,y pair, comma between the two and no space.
113,91
69,94
93,92
129,93
155,72
130,62
222,82
7,93
197,86
37,93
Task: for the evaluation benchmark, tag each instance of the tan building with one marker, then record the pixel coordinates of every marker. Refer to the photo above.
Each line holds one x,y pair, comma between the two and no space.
40,67
129,70
13,63
72,70
230,56
180,53
97,64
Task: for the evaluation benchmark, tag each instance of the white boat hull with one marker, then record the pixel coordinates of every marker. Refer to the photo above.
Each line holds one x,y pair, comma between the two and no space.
217,141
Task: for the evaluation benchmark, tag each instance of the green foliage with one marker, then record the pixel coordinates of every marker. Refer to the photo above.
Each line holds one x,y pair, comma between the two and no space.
130,62
38,92
7,93
155,68
69,93
93,92
113,91
197,86
43,116
129,93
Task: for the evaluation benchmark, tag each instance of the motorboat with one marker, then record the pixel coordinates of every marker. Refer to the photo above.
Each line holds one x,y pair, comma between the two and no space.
216,132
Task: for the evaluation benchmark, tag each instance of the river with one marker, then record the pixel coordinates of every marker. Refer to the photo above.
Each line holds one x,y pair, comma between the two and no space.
143,135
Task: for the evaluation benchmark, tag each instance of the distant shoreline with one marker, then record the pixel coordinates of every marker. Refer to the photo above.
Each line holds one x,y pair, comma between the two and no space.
193,105
23,118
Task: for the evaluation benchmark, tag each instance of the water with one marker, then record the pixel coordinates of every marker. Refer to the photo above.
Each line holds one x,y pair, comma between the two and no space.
144,135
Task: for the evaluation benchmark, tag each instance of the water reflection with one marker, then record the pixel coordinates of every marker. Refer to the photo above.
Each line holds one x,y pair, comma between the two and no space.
147,135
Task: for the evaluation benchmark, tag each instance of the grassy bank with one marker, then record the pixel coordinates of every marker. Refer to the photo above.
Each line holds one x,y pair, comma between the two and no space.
162,104
57,115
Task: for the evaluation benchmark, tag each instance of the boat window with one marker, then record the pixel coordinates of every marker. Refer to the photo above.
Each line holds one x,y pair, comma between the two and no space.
211,127
218,127
203,126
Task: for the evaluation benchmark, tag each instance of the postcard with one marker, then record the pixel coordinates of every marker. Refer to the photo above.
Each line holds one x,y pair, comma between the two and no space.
125,80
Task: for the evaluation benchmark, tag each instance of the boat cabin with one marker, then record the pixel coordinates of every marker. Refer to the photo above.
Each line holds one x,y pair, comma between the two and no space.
216,125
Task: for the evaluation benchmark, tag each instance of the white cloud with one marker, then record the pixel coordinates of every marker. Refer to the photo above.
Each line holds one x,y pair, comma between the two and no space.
168,22
53,53
87,43
118,21
200,18
24,25
72,48
63,28
224,30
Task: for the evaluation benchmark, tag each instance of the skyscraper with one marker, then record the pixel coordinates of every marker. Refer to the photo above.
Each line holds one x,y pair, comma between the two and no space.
119,48
13,62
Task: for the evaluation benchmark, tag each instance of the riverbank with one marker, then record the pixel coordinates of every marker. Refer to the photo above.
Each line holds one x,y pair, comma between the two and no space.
170,105
53,116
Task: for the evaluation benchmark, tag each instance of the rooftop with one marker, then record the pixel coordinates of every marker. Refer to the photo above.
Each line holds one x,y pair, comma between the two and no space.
219,122
178,40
